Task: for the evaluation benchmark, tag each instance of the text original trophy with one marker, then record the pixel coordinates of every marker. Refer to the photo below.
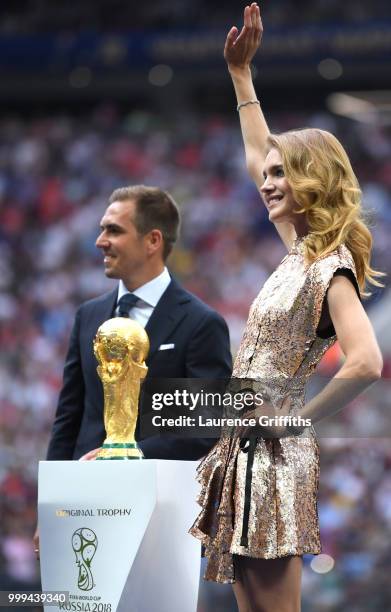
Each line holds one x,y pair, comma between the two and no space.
121,347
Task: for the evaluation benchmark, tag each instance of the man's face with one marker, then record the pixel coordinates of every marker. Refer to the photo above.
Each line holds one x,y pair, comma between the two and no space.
125,250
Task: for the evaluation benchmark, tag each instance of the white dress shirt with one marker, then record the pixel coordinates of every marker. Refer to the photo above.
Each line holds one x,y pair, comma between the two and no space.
148,294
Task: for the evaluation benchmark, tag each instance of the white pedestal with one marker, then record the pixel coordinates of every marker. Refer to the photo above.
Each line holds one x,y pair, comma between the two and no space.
114,534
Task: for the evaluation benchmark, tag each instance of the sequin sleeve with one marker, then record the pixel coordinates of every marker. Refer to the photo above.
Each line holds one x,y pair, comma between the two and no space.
321,274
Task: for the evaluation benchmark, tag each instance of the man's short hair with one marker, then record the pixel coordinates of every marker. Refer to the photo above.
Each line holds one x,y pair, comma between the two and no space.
155,209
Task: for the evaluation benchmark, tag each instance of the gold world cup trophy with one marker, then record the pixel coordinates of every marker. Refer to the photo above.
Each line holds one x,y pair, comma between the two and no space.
121,347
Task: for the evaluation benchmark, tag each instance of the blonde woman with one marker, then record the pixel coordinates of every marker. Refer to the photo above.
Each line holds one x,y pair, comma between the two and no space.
258,498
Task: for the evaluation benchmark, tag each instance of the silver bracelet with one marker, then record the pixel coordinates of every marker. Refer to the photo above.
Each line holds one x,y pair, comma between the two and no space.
239,106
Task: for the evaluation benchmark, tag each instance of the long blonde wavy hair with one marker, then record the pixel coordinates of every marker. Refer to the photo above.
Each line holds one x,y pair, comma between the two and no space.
327,191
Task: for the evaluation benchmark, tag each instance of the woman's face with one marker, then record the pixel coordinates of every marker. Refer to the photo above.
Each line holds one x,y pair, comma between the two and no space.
276,191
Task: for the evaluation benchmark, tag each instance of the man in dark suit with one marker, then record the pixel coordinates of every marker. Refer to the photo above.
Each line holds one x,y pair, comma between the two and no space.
188,339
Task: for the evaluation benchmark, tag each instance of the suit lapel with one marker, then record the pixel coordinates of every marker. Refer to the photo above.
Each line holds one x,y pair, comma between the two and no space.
107,307
104,310
166,316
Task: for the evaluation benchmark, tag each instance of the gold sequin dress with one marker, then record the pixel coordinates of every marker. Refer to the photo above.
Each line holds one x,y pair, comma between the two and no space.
268,508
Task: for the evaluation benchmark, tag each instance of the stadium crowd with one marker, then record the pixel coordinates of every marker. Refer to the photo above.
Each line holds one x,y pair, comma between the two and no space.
56,173
33,16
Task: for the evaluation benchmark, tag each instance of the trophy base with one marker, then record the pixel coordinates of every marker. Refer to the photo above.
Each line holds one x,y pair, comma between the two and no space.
122,451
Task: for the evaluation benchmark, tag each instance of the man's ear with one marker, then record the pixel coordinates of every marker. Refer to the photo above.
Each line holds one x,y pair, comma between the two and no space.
155,241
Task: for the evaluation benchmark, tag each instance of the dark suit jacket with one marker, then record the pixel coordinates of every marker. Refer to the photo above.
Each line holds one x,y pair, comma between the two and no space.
201,350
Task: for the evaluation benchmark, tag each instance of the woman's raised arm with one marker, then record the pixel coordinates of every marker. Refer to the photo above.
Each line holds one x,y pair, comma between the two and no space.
240,48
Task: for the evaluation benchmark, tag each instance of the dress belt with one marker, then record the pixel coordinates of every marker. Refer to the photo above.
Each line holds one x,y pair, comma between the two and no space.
250,449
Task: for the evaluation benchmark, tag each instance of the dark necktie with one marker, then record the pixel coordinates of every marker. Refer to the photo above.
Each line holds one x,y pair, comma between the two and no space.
126,303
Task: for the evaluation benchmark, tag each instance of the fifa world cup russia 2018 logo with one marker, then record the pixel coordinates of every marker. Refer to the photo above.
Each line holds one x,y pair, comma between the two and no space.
84,544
